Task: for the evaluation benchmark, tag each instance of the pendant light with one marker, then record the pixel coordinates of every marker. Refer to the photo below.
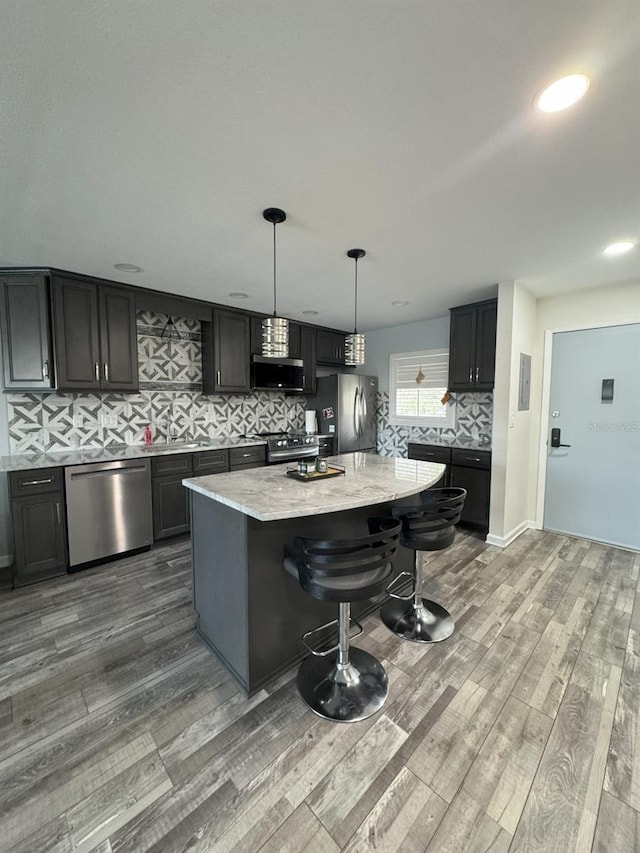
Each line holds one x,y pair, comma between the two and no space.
355,344
275,330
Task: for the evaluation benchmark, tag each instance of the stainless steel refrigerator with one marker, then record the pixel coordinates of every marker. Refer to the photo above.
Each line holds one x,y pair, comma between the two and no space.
346,407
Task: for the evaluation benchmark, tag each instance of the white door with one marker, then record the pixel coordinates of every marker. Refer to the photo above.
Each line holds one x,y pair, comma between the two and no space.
593,482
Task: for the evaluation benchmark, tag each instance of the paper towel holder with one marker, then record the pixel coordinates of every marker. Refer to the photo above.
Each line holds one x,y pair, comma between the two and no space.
310,422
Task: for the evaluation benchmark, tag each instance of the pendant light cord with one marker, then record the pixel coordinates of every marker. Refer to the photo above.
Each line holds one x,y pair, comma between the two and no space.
355,312
274,270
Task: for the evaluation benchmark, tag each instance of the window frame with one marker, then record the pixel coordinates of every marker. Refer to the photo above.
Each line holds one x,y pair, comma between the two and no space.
428,422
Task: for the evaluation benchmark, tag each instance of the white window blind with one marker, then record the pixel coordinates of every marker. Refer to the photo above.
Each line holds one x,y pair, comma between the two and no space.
417,383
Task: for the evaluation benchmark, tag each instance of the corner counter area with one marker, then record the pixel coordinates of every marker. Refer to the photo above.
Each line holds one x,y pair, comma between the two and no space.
249,610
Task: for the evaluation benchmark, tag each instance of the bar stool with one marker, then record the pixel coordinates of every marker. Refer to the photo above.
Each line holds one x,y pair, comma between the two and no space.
342,683
427,527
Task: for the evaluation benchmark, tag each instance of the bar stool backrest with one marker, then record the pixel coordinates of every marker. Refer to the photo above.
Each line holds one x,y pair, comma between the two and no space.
343,570
430,526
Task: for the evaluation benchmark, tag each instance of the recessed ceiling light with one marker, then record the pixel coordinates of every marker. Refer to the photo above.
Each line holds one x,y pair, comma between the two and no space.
563,93
618,248
310,313
399,303
237,294
128,267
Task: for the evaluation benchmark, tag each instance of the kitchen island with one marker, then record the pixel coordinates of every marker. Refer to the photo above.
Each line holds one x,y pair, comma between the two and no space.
249,610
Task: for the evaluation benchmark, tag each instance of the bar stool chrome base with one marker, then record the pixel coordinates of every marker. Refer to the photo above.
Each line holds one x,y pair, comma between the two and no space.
423,622
344,693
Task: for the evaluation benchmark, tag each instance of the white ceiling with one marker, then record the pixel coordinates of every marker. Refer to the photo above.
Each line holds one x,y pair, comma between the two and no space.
154,132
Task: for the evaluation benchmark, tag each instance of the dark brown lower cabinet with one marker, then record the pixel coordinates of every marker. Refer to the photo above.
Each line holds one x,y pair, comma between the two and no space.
477,482
39,526
466,469
169,496
170,506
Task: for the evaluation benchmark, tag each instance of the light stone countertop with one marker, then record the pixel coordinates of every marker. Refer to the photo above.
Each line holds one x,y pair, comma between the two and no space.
459,441
267,494
22,462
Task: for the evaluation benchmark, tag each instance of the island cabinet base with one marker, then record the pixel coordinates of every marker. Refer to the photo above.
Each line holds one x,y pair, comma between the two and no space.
249,610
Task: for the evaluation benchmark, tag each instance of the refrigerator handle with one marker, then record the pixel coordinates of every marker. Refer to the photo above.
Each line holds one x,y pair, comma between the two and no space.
356,424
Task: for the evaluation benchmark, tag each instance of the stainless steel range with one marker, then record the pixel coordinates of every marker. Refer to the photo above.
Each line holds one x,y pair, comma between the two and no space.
289,446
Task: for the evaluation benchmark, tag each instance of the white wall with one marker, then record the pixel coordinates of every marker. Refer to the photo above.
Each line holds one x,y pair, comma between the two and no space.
510,463
427,334
602,306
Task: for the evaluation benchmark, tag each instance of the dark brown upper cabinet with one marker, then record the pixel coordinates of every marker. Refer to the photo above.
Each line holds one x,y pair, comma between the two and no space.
26,332
118,343
94,336
226,353
330,347
472,346
308,355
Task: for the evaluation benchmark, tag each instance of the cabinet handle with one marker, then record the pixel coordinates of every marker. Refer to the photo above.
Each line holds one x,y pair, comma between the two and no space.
45,369
106,372
58,512
218,377
472,459
246,455
471,374
36,482
97,372
477,373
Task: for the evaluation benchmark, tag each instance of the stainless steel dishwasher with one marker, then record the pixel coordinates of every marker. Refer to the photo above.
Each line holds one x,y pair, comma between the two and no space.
108,508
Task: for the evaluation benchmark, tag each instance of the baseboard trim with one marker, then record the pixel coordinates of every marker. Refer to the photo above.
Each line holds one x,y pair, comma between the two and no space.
503,541
5,560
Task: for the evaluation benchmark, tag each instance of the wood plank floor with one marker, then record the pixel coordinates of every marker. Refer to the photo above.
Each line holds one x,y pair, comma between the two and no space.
120,732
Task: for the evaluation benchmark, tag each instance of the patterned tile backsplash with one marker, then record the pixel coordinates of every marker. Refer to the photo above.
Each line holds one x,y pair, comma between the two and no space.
474,416
170,374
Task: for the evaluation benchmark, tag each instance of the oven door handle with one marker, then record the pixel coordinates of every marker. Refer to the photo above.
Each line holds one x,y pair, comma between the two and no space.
288,456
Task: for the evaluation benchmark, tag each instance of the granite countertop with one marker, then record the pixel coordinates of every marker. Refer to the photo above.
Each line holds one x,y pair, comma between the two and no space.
459,441
268,494
22,462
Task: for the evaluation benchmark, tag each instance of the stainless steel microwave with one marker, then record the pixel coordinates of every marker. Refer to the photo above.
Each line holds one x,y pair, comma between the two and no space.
277,374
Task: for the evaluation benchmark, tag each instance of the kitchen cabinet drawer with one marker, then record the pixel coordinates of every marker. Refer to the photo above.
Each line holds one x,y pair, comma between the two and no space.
210,462
179,463
471,458
429,453
35,481
246,457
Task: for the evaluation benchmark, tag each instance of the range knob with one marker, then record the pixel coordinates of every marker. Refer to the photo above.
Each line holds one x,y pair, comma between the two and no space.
281,442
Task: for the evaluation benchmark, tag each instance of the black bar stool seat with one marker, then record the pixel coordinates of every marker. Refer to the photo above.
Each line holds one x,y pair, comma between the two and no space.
428,526
342,683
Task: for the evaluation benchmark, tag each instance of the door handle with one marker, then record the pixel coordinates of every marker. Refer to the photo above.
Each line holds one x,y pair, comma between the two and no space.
555,438
355,413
